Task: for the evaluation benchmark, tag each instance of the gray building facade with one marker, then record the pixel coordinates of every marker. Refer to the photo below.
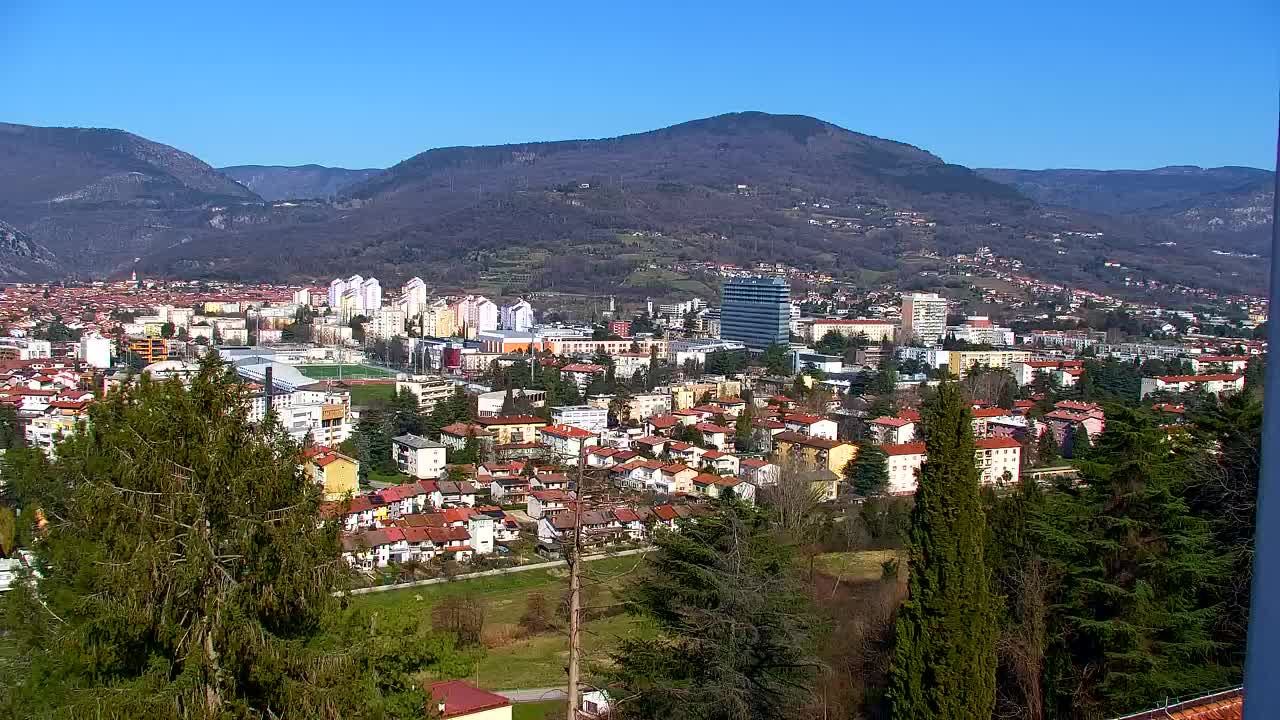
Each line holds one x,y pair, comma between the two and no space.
756,311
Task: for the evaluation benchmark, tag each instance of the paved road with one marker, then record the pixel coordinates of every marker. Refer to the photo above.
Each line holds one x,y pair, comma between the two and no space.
526,695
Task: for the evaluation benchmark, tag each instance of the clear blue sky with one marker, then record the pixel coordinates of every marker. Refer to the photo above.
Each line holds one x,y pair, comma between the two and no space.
1122,83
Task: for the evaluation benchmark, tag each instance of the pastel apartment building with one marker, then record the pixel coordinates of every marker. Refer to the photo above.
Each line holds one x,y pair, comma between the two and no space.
418,457
992,456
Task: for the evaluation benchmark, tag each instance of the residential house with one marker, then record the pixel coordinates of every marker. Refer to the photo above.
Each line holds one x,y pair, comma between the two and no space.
757,472
546,502
454,437
418,457
717,436
720,462
510,490
460,700
812,425
566,441
813,452
891,430
337,474
513,429
581,374
992,456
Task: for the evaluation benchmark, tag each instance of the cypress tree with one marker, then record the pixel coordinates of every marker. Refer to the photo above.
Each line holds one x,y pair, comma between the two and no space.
945,659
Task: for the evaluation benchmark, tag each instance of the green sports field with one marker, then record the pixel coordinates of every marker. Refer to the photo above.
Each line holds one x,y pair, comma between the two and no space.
355,372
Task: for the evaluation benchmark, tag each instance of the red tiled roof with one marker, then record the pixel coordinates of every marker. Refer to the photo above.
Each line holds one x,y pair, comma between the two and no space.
1076,405
990,412
463,429
1221,358
767,424
1169,408
911,448
712,428
463,698
663,421
666,512
567,431
1227,705
582,368
1225,377
803,419
995,443
891,421
799,439
754,462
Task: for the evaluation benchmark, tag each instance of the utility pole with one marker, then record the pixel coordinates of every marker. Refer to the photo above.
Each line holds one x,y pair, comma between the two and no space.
574,559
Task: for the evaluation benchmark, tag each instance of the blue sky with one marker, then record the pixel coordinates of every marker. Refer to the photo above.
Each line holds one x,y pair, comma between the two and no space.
1124,83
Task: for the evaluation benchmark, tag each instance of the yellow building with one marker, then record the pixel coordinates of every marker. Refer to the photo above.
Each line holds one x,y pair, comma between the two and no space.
439,320
960,361
149,349
686,395
815,453
338,474
513,429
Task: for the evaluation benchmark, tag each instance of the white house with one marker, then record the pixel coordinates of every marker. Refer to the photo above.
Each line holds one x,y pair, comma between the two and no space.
418,457
811,425
892,430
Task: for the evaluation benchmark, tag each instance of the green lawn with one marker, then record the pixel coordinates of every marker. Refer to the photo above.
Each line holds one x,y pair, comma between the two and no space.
541,661
326,372
855,566
371,394
392,478
503,595
544,710
537,661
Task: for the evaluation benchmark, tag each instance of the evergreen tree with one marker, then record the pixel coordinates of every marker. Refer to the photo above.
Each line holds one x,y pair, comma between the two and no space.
508,403
743,433
776,359
1133,615
1047,450
735,629
1224,490
868,471
944,659
185,574
406,415
1080,442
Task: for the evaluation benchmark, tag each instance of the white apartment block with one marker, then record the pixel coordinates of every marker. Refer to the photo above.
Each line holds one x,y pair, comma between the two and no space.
1212,384
875,331
924,317
589,418
993,457
429,389
418,457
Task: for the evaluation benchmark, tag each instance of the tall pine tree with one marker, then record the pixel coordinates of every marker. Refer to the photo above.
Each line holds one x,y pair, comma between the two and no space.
945,658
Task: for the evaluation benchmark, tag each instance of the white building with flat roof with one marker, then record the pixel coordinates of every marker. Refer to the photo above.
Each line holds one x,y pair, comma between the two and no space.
924,317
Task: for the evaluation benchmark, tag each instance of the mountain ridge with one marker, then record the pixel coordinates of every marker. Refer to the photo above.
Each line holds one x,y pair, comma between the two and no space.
289,182
739,187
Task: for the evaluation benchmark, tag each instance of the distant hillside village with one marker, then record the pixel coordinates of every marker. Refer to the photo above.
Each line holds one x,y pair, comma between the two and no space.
454,429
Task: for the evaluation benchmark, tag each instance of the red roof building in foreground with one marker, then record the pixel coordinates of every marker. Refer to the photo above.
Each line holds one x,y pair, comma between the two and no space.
458,698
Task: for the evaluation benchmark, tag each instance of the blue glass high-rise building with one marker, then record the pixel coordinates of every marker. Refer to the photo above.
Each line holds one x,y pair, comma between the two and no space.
756,311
